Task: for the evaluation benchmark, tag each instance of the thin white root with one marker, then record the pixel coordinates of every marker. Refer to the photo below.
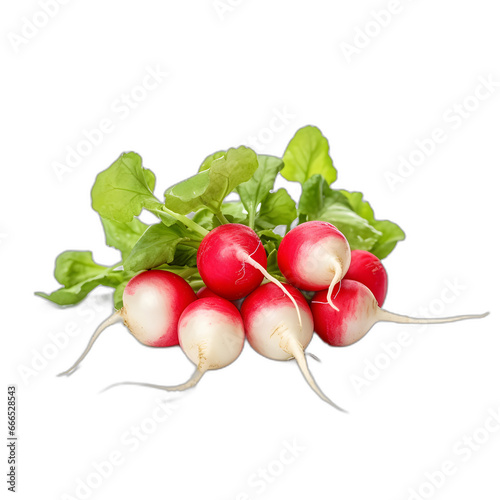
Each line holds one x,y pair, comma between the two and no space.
384,315
297,351
272,279
336,278
114,318
195,378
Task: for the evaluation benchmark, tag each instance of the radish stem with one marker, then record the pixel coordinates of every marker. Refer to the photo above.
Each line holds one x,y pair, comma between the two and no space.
191,224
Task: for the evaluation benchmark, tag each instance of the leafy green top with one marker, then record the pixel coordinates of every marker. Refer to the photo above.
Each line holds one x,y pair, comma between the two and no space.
199,203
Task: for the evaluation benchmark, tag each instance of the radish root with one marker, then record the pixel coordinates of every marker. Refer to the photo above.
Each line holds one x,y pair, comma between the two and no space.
297,351
114,318
195,378
272,279
337,268
384,315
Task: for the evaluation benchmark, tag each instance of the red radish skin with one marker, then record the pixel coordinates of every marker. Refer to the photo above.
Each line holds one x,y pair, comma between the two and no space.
366,268
153,302
205,292
232,262
313,256
273,330
359,311
222,263
211,334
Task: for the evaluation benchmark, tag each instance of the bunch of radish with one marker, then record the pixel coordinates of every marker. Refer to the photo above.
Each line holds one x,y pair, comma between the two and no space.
214,271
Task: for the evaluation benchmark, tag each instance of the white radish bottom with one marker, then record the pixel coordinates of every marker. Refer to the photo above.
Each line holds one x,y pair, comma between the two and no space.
273,329
212,336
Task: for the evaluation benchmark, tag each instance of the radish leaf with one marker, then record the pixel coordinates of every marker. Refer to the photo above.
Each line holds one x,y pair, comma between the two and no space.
308,154
218,175
155,247
123,235
121,191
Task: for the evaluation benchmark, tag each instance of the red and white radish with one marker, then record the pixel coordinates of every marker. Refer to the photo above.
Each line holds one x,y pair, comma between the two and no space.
313,256
369,270
211,334
358,313
232,262
153,302
205,292
273,329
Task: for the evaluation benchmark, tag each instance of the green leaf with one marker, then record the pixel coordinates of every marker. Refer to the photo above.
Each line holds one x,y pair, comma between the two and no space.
277,209
156,246
254,191
391,234
319,202
205,218
184,256
360,234
190,189
308,154
267,235
272,264
70,295
118,294
124,189
352,215
219,174
123,235
166,218
234,211
73,267
361,207
315,194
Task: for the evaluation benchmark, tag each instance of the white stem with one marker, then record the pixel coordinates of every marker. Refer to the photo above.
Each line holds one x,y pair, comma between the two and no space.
336,278
297,351
263,270
114,318
384,315
195,378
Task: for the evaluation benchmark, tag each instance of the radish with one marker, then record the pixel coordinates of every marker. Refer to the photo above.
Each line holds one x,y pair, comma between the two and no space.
152,304
211,334
367,269
205,292
232,262
313,256
273,330
358,313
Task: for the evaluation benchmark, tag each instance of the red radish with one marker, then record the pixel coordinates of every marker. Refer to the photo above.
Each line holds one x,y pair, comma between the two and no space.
367,269
211,334
205,292
313,256
358,313
273,330
232,262
152,304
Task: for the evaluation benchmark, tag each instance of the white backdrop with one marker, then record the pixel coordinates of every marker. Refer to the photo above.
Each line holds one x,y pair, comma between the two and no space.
383,80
